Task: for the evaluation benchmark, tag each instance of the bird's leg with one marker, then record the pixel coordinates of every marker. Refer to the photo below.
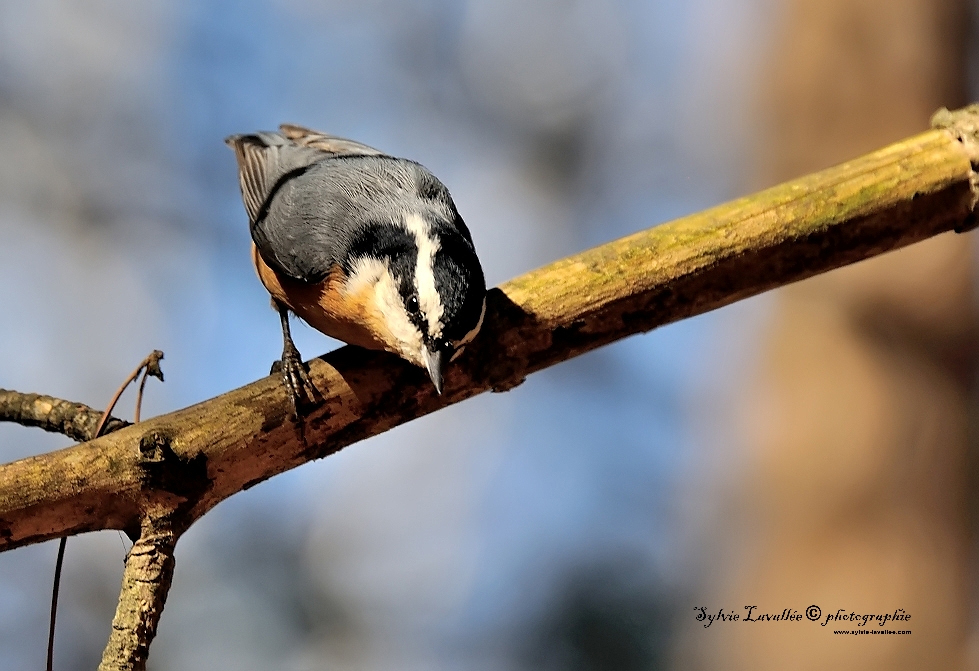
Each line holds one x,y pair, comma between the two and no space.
294,374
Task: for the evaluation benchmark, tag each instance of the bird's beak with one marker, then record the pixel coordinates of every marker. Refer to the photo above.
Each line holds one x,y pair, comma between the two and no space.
433,362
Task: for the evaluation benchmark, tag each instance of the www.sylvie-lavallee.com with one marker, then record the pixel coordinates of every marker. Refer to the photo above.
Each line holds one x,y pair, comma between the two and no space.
811,614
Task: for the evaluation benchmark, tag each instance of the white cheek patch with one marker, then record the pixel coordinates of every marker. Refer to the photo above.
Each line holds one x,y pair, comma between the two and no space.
366,272
392,309
375,274
428,297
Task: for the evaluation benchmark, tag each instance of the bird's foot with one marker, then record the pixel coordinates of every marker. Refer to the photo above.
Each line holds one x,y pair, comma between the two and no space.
296,379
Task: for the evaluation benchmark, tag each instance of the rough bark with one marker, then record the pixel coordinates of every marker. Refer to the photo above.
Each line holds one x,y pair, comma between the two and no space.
75,420
145,583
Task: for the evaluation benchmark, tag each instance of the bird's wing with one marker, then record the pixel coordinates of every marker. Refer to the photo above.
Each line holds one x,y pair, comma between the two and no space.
266,160
301,236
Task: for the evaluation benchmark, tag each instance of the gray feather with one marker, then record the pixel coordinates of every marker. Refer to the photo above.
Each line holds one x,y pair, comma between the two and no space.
263,159
317,217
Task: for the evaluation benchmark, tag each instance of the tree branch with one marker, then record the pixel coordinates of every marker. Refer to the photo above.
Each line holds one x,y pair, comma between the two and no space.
190,460
75,420
145,583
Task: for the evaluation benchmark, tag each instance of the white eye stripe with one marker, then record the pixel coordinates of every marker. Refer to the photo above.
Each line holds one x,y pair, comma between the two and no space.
428,296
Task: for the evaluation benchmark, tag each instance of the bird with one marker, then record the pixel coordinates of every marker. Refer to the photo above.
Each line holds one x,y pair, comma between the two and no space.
365,247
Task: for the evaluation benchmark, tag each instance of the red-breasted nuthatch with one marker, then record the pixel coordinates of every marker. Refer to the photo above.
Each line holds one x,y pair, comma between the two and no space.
364,247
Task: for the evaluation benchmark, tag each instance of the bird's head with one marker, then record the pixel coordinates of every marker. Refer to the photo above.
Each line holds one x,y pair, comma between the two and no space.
426,285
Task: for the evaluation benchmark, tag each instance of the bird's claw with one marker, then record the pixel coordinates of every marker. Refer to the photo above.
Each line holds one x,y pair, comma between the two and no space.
296,379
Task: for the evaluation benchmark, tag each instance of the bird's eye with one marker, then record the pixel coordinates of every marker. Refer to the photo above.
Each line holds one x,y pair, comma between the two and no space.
413,304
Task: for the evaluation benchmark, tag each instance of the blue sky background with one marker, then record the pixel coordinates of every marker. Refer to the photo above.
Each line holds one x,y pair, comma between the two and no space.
470,538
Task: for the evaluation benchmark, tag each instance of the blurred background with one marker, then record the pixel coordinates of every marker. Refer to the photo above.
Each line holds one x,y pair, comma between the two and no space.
814,445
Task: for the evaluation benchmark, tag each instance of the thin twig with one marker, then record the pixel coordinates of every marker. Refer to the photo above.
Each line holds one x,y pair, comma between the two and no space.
54,599
152,365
